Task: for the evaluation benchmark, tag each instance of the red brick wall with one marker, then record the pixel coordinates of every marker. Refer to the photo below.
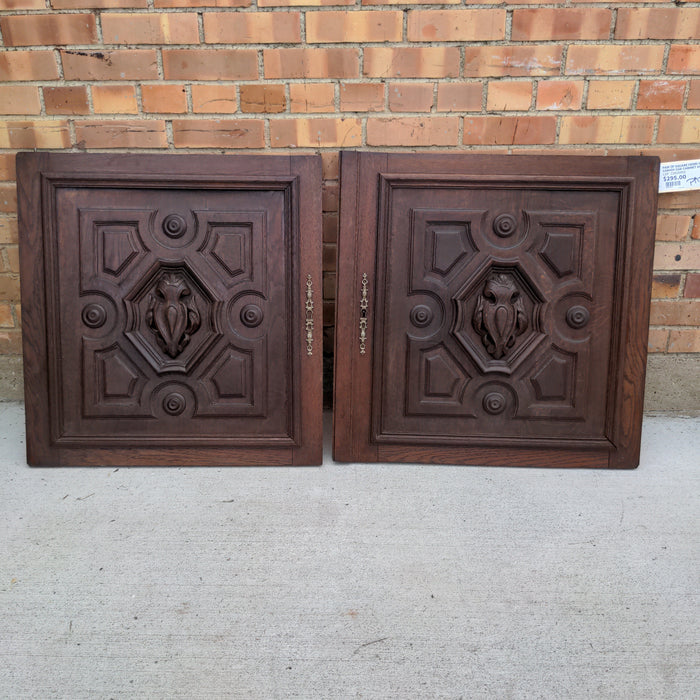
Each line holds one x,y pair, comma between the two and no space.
320,75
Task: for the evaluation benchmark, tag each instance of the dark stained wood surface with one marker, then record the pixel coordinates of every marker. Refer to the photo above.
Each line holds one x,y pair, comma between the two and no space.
165,308
507,308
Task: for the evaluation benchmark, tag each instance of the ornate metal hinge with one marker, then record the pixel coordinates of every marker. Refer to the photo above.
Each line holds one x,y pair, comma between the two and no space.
309,316
363,314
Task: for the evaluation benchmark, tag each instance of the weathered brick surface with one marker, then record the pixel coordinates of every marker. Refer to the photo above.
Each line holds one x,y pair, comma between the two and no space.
262,98
164,99
218,133
128,28
498,76
312,97
210,64
546,24
19,99
114,99
317,132
252,27
121,64
71,99
121,133
413,131
54,29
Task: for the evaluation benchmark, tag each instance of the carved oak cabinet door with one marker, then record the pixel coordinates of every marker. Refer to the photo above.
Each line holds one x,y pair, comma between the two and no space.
169,305
493,309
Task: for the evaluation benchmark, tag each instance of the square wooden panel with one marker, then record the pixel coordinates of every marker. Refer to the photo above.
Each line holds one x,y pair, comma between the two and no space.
493,309
166,306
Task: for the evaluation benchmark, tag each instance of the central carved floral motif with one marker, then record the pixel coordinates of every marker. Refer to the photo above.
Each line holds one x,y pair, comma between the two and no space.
499,316
172,313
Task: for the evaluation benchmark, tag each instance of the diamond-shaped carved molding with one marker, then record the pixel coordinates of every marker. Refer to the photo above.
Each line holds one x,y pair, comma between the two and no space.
498,317
171,318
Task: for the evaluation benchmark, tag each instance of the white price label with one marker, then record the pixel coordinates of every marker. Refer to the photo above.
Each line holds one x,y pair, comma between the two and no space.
680,175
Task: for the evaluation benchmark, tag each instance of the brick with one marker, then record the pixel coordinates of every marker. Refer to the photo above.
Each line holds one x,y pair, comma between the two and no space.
683,312
547,24
34,134
66,99
9,287
263,98
420,2
6,318
672,227
28,65
162,28
456,25
610,94
126,64
559,94
330,227
97,4
312,97
8,198
12,255
210,64
19,99
202,3
658,339
684,340
330,197
484,61
676,128
689,199
8,230
660,94
459,97
218,133
121,133
208,99
315,133
297,3
11,342
22,4
496,130
598,59
677,256
606,129
411,62
665,285
694,95
330,165
657,23
311,63
164,99
684,59
695,233
114,99
692,286
410,97
42,30
413,131
358,26
7,166
252,27
506,95
362,97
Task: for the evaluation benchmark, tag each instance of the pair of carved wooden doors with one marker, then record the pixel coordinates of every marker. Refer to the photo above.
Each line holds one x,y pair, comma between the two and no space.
489,309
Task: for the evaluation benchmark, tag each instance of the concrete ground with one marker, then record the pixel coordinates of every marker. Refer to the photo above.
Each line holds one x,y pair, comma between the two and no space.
352,581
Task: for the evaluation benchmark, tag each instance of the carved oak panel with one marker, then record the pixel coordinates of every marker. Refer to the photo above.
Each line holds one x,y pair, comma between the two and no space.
503,314
173,308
